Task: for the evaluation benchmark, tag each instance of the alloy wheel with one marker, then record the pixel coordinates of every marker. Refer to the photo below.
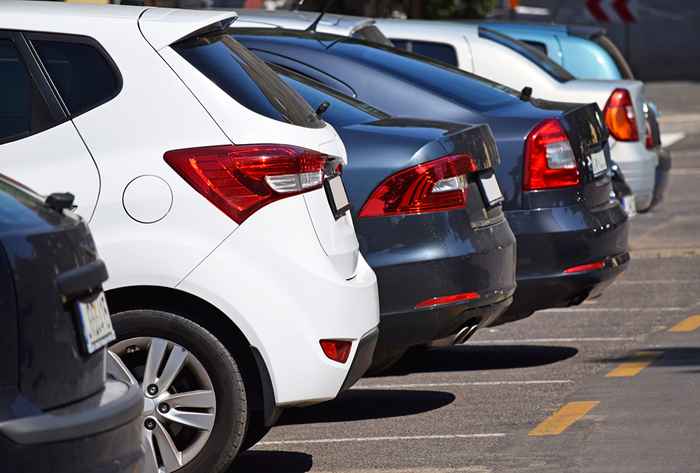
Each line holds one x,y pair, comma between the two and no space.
179,399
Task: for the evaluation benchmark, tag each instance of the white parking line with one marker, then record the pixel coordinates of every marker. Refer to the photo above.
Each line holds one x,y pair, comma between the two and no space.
380,439
465,384
553,340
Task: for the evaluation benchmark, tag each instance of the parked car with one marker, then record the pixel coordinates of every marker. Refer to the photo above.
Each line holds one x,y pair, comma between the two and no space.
486,52
214,193
55,400
572,238
428,213
587,53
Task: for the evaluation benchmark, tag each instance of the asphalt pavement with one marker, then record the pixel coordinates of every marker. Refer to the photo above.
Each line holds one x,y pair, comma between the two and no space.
612,385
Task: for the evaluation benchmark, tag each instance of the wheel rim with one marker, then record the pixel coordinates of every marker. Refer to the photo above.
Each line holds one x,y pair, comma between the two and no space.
179,399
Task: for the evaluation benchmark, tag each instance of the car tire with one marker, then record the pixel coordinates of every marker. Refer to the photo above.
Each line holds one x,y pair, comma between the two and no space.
225,437
256,431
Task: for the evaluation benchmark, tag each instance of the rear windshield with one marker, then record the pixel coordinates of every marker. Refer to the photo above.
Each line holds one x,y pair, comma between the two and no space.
532,54
622,66
246,79
343,110
475,92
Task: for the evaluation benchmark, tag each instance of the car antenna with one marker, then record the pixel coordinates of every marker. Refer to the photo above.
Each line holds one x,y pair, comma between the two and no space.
325,105
526,94
297,5
326,5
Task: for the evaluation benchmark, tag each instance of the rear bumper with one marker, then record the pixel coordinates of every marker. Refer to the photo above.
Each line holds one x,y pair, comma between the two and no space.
100,433
362,360
663,170
430,256
639,167
555,239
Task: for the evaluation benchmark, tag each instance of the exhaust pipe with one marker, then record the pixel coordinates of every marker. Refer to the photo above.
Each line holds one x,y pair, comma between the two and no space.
466,333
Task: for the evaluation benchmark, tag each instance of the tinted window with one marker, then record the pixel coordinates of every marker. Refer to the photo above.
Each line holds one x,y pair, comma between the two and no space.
532,54
247,79
438,51
468,89
83,76
343,110
22,109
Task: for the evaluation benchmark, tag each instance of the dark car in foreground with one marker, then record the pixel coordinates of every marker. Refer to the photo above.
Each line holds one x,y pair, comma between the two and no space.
572,237
58,411
429,220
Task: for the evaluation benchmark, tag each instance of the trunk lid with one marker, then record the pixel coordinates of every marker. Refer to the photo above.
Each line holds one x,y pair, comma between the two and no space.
41,245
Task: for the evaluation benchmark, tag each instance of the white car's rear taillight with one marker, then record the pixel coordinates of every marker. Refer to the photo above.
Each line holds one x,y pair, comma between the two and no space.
239,180
620,117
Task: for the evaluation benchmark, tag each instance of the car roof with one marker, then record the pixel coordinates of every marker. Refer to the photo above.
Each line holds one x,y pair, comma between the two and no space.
160,26
38,15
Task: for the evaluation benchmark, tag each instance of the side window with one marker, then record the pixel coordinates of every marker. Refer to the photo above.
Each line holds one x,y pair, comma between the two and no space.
438,51
82,74
23,111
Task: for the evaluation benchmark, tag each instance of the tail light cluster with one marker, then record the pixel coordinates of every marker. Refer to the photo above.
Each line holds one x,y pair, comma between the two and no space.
435,186
649,141
620,117
550,162
240,180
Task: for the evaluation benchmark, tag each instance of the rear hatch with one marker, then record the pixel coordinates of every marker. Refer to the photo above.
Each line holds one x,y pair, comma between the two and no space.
251,105
44,249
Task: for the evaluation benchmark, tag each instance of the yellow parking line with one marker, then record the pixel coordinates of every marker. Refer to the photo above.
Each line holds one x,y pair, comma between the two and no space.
688,325
563,418
641,359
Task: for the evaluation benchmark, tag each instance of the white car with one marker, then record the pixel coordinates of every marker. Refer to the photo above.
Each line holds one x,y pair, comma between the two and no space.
213,192
505,60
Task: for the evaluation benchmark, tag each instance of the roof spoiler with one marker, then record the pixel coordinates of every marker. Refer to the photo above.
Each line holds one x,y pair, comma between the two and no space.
587,32
164,26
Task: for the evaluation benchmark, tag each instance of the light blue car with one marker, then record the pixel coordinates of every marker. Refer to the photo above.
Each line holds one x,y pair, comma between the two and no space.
587,53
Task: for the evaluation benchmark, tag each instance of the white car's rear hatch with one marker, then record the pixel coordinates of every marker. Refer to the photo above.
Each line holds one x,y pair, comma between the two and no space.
251,105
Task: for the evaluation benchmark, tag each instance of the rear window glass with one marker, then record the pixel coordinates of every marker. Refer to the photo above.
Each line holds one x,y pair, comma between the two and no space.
247,79
622,65
532,54
468,89
83,76
343,110
22,109
439,51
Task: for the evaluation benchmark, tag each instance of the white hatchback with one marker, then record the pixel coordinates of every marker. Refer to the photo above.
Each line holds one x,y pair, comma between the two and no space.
215,197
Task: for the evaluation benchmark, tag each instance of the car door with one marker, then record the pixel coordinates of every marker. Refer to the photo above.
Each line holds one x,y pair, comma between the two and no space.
39,144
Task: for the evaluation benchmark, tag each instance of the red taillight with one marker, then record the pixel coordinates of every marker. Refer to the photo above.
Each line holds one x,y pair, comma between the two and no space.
435,301
586,267
549,160
620,117
336,350
239,180
435,186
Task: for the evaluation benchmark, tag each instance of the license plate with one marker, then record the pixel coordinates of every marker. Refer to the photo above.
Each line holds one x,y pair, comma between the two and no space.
629,205
599,163
491,190
95,323
337,197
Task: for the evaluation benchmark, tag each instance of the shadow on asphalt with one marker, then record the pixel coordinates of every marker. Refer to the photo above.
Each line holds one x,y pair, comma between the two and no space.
365,404
260,461
478,358
669,356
